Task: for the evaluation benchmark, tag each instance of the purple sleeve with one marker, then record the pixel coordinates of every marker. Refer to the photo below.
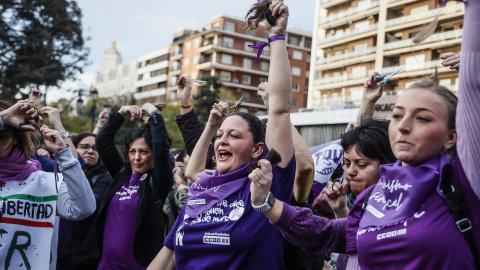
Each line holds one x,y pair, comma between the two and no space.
312,233
468,114
169,241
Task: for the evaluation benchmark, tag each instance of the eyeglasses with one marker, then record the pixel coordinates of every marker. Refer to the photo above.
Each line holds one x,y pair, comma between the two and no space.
87,147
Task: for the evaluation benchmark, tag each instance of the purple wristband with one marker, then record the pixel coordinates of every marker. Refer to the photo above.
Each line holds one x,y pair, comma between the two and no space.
261,46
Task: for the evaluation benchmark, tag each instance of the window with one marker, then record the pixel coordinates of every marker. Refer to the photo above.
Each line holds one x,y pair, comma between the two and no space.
225,76
414,62
185,61
266,50
195,60
306,89
248,49
228,42
420,9
246,79
251,32
227,59
246,95
176,65
309,58
216,25
293,41
296,71
174,81
178,50
229,26
187,46
307,74
359,72
356,94
294,102
264,66
308,44
247,63
360,48
362,25
196,43
297,55
295,87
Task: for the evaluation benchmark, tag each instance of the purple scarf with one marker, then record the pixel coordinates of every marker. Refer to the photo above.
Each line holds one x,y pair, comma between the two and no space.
13,167
401,191
211,188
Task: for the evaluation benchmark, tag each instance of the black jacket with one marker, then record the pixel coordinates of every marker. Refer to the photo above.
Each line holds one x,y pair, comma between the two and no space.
150,220
191,131
72,247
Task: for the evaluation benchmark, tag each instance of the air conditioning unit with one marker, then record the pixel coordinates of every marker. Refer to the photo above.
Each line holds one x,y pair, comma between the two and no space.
235,80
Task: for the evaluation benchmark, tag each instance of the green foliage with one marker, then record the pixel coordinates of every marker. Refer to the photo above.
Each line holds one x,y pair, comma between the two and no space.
41,44
207,95
169,113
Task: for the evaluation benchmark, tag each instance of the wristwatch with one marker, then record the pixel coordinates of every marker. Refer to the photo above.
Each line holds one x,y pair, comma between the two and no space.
64,134
267,205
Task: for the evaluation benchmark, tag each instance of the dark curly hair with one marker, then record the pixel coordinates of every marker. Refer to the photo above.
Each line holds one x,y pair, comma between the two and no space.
255,126
259,12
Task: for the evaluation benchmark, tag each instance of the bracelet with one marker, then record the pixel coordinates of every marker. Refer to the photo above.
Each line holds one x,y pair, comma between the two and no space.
185,106
179,184
261,46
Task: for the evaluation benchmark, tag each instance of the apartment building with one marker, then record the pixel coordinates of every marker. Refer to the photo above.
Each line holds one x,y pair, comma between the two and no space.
221,50
152,75
353,37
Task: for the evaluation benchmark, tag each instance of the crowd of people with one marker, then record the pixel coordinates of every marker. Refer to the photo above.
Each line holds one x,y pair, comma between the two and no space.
241,197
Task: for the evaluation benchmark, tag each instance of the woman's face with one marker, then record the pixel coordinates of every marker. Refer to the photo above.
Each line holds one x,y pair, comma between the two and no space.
7,141
361,171
234,145
141,156
87,149
418,130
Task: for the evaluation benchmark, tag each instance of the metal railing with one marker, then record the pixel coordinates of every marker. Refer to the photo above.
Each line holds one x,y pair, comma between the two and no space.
328,1
345,56
348,33
416,66
424,15
433,38
351,11
340,78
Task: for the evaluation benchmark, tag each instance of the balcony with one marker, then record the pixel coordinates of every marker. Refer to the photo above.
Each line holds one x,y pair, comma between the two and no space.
151,93
332,3
348,12
433,38
346,34
424,15
417,66
345,56
340,78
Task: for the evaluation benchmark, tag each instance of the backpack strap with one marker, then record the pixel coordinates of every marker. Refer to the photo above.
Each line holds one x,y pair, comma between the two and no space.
365,200
452,190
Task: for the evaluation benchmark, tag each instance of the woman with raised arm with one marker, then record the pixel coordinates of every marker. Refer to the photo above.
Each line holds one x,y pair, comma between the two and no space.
31,199
218,227
130,225
418,198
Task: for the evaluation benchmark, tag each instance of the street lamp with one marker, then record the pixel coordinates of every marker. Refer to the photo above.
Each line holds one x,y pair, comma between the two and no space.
94,95
108,107
80,103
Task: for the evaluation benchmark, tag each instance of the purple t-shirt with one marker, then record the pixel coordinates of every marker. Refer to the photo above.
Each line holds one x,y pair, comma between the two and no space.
427,240
231,235
119,231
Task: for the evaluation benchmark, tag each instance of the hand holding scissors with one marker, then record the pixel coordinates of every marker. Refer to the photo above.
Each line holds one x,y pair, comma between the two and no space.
386,77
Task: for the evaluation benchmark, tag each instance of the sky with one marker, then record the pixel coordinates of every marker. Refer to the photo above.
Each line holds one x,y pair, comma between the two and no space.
141,26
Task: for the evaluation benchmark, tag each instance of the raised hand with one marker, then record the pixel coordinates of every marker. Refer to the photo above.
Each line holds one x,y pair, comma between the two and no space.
148,108
35,95
371,91
184,90
102,117
217,114
52,138
261,179
53,117
262,93
337,198
278,8
42,153
134,111
19,113
451,60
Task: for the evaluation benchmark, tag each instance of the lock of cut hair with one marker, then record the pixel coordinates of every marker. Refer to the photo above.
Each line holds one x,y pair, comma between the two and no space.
259,12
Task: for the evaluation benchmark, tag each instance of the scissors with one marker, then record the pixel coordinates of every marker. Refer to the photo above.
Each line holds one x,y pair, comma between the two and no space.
386,77
200,82
240,101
